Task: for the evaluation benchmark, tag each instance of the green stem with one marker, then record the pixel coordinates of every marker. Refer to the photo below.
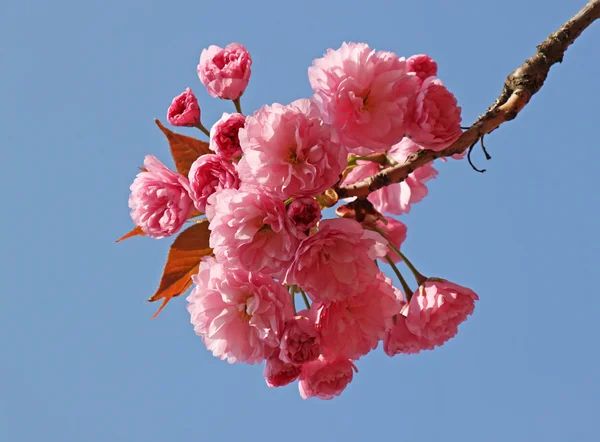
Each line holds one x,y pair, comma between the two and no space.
418,276
305,298
203,129
293,294
407,291
238,106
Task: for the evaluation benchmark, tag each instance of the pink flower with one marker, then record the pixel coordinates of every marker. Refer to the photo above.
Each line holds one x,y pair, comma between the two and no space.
422,65
278,373
225,71
300,341
354,327
224,138
336,262
324,378
240,315
436,116
305,213
399,340
208,174
395,232
396,198
437,308
184,110
159,200
251,229
289,151
364,94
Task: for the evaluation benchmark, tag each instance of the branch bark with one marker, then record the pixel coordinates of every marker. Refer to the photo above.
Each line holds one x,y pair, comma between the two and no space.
518,89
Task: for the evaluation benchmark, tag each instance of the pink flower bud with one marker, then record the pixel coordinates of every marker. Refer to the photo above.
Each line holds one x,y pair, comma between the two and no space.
305,213
184,110
422,65
300,341
225,71
208,174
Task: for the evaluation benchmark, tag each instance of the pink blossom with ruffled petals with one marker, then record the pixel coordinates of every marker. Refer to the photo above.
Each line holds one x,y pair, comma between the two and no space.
289,151
422,65
397,198
364,94
305,213
337,261
399,340
160,203
252,229
437,308
278,373
209,174
184,110
326,379
354,327
436,116
224,139
395,232
240,315
225,71
300,340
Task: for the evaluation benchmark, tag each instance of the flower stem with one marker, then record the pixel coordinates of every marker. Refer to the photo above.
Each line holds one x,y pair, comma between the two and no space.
305,298
293,295
407,291
203,129
418,276
238,106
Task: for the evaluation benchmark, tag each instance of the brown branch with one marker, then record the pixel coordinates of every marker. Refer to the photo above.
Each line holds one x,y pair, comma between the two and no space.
518,89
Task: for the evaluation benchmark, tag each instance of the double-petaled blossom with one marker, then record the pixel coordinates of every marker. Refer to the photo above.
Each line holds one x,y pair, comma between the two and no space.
209,174
252,229
278,373
160,202
224,136
225,71
326,378
304,213
338,261
422,65
365,94
240,315
300,340
437,308
289,151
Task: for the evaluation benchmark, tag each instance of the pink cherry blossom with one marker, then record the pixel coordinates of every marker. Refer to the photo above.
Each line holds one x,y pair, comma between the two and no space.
353,327
225,71
400,340
184,110
337,261
364,94
208,174
278,373
160,203
240,315
437,308
252,229
436,116
224,138
422,65
325,379
305,213
395,232
289,151
397,198
300,340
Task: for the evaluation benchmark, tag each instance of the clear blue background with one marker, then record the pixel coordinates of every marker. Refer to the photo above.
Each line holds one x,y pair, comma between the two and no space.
82,361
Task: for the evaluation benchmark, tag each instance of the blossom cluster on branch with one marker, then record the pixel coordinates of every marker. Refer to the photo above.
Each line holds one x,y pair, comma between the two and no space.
255,196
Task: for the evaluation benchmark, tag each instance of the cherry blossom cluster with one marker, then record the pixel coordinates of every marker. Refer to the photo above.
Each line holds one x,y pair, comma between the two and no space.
263,189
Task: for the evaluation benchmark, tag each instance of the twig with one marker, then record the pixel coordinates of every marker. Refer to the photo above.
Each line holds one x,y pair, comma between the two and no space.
518,89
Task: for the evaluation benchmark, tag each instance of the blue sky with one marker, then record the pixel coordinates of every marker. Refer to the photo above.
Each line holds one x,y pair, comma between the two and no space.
81,359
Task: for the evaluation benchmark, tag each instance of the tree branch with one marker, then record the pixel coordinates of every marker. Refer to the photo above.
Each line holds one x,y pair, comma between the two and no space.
518,89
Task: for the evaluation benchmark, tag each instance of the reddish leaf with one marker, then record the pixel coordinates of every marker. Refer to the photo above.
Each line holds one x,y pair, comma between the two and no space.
183,262
136,231
185,150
